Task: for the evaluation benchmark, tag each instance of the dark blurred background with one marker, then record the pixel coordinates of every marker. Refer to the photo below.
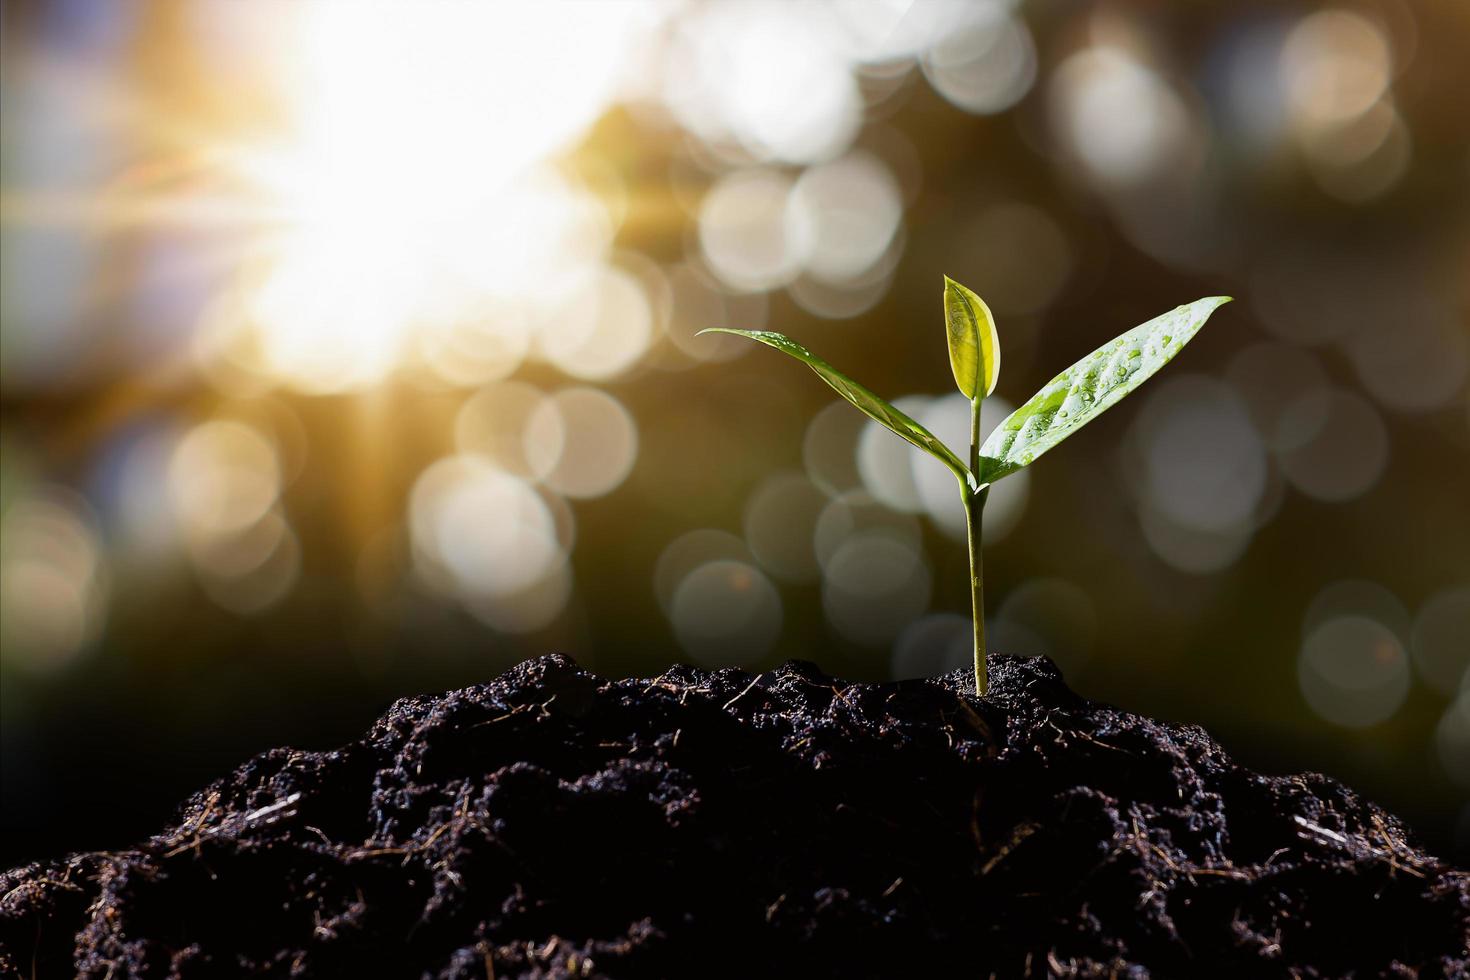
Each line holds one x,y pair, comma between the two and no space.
348,352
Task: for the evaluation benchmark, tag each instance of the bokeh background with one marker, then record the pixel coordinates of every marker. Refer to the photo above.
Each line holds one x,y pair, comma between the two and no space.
348,352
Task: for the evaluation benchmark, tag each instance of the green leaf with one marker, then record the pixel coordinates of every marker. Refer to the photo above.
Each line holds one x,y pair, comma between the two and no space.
1090,387
974,346
863,399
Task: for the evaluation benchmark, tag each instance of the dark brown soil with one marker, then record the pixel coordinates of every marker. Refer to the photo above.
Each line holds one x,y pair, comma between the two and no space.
555,824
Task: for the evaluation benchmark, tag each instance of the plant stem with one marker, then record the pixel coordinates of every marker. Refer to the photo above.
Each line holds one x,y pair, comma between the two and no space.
974,514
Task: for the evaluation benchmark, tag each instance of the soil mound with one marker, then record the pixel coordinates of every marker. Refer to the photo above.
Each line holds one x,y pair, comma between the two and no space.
555,824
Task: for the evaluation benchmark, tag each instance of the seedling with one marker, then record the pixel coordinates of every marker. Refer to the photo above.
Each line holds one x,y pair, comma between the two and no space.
1065,404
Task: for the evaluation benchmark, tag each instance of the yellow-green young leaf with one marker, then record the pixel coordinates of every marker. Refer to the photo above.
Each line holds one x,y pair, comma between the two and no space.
1090,387
974,347
863,399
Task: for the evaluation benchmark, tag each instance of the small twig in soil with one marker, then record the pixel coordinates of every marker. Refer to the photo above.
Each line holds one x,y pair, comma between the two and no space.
373,852
1017,836
840,694
439,832
195,828
518,709
748,688
272,809
1323,831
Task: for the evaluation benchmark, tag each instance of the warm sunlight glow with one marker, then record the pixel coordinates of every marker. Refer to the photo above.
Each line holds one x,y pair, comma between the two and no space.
413,188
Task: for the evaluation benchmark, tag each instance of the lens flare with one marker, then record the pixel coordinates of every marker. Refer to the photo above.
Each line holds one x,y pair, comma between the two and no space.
410,190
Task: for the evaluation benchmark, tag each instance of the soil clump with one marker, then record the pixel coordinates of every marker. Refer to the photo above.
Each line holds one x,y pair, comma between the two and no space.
551,823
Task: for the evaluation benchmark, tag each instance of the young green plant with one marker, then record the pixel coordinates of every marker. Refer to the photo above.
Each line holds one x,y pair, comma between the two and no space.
1063,405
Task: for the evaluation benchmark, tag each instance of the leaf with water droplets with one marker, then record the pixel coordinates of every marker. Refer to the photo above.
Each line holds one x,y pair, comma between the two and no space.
861,398
1090,387
974,346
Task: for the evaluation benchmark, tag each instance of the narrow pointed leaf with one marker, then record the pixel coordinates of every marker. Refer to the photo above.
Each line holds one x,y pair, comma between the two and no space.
974,346
1090,387
863,399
